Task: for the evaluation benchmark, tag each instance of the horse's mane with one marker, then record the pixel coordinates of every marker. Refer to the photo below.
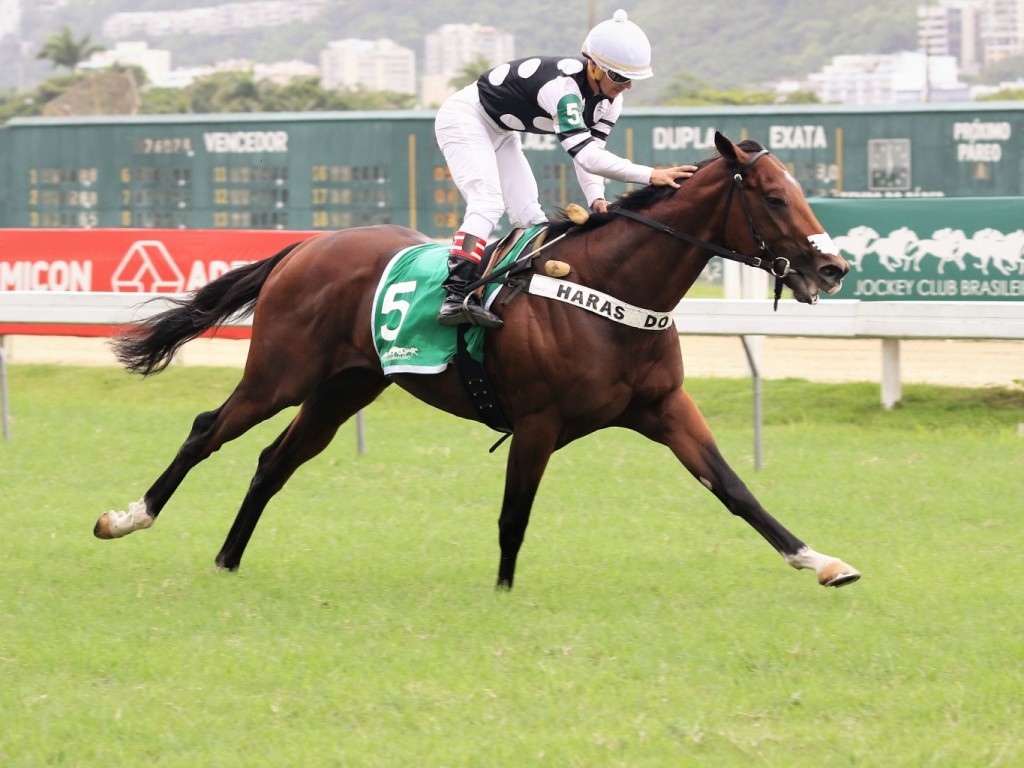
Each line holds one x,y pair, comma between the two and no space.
637,200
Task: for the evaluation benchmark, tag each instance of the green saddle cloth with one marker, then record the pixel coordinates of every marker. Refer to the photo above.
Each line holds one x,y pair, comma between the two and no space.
406,333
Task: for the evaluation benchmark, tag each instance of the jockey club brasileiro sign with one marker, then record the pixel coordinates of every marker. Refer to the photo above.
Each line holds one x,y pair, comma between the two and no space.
949,249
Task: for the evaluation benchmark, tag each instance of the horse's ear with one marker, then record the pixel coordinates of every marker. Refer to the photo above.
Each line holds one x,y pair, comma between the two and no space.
725,147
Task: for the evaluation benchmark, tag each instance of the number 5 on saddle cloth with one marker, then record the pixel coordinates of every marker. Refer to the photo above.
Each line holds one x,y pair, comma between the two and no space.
407,336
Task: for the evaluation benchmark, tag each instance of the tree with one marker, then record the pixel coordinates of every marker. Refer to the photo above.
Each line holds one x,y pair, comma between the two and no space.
1006,94
64,50
165,101
301,94
31,103
802,97
1002,71
470,72
240,92
688,91
361,99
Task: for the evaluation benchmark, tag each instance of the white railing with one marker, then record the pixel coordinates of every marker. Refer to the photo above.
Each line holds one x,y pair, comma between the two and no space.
838,318
81,308
850,318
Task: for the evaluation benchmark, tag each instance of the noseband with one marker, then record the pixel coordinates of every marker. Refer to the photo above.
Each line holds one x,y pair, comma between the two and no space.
777,266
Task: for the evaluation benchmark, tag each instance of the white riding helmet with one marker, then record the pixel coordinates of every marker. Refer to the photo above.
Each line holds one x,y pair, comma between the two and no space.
620,46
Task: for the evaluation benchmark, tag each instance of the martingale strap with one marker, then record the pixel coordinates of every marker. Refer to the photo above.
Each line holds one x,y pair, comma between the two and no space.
599,303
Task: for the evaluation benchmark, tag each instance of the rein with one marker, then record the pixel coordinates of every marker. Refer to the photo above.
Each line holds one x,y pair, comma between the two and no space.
777,266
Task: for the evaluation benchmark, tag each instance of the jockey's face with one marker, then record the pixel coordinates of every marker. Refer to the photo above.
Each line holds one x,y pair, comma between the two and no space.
611,89
606,84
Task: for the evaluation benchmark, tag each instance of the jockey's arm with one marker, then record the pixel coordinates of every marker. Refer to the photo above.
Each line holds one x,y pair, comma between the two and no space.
592,183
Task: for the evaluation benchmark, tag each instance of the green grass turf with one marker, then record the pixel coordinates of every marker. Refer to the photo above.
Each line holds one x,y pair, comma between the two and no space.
648,627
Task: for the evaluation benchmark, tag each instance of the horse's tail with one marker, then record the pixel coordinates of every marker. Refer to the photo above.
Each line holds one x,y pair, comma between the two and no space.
149,347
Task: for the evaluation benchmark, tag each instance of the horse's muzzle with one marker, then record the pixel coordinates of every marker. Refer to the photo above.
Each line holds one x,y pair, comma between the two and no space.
830,276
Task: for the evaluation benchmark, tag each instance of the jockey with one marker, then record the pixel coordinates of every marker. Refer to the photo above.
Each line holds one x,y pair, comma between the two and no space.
578,99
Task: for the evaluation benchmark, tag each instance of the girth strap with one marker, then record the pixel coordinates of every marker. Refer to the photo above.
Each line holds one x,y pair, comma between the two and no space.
478,385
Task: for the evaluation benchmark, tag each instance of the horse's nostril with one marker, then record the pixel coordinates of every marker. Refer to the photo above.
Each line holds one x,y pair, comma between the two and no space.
832,272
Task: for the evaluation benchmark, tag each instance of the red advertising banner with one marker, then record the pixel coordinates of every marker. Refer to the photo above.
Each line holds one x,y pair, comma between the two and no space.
126,261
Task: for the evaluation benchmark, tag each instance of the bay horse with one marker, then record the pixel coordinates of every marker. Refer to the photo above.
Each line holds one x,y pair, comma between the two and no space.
559,372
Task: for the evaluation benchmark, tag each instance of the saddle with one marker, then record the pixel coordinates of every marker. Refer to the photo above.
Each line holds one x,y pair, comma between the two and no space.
499,249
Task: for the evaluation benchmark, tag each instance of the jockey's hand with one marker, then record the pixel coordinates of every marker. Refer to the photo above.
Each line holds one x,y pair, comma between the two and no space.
669,177
599,206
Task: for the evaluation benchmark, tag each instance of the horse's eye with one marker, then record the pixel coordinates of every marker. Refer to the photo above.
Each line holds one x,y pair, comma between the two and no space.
775,201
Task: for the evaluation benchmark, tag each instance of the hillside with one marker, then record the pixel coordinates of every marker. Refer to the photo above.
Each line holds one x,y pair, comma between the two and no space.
725,45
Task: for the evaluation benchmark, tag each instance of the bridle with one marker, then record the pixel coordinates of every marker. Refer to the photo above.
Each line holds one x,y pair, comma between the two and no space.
777,266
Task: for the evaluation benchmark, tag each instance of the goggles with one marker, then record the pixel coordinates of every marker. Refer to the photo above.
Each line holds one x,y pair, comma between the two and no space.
616,78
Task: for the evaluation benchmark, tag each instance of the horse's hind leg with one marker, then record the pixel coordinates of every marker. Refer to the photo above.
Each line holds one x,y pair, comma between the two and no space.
210,431
677,423
312,429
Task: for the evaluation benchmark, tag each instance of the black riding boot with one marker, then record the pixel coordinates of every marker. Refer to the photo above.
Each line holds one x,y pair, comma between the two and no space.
456,309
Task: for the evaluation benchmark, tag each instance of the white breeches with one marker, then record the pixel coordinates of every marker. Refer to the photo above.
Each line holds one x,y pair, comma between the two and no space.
487,165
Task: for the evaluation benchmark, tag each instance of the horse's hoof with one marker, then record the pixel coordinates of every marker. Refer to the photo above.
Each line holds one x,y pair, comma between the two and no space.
102,528
837,574
114,525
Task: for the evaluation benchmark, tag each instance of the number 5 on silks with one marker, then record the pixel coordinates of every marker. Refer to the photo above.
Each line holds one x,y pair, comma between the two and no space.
570,112
391,304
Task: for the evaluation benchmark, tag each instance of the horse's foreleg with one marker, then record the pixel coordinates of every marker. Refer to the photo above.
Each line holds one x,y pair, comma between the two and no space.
531,448
209,432
308,434
677,423
142,513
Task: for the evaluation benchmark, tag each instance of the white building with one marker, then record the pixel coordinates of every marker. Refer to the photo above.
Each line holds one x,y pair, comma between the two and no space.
214,19
896,78
280,72
155,62
952,28
1002,30
374,65
450,47
976,32
283,72
10,18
